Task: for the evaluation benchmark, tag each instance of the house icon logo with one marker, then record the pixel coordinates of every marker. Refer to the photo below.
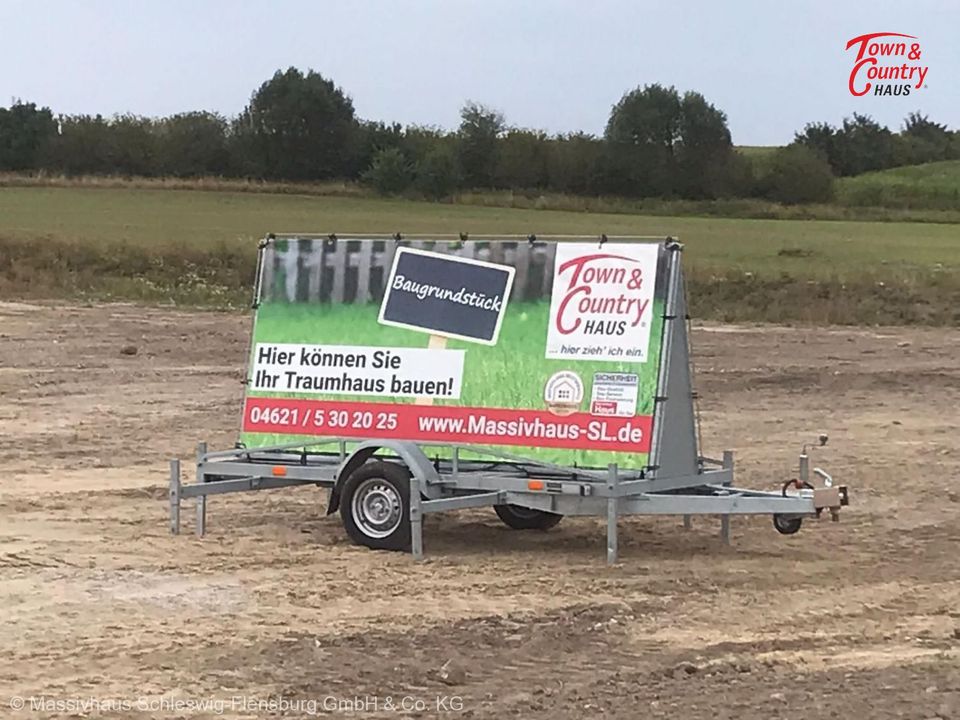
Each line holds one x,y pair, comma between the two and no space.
563,393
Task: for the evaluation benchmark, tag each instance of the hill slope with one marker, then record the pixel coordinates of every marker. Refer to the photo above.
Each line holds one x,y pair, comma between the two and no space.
932,186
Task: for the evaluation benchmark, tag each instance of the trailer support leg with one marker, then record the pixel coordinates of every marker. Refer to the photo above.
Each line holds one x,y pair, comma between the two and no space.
612,512
174,497
201,526
725,519
416,519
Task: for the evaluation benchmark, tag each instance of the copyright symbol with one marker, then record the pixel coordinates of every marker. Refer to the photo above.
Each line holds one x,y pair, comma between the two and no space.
17,702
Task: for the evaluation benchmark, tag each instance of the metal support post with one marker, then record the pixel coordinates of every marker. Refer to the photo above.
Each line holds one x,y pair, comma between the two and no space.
612,511
416,519
201,526
174,497
725,519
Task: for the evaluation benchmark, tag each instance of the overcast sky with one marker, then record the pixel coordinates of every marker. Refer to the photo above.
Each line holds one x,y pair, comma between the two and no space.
557,65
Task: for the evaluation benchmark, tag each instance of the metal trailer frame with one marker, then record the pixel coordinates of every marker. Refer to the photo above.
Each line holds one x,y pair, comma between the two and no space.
678,481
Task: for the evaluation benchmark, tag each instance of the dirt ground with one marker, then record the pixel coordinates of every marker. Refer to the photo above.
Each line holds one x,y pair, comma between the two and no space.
103,613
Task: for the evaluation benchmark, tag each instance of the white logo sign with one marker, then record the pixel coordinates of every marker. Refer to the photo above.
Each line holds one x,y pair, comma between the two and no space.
602,302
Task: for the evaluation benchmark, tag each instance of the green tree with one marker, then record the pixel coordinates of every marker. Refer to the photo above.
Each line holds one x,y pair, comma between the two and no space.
193,144
641,135
659,143
136,146
923,128
26,132
822,139
419,140
480,128
953,149
85,145
704,150
574,162
739,176
796,174
438,173
298,127
863,145
521,160
922,141
372,137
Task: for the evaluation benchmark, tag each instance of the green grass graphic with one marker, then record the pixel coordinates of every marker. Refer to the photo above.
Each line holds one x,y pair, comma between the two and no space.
510,374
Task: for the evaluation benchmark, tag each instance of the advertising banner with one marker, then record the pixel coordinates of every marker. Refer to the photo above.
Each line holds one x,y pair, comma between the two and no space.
547,351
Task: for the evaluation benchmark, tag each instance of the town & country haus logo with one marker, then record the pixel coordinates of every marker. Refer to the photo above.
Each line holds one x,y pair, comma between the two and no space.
886,64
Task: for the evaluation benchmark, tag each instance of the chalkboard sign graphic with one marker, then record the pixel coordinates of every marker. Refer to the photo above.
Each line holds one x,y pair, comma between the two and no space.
446,296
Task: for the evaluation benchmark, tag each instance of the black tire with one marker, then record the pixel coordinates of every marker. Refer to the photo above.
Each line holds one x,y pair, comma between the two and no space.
521,518
787,524
375,506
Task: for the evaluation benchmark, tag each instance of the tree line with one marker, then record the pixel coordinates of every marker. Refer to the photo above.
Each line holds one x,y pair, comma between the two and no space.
299,126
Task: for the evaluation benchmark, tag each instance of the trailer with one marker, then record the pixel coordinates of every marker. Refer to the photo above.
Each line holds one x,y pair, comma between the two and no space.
555,379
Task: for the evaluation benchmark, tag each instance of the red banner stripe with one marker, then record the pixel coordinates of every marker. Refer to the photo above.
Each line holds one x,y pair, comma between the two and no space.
443,423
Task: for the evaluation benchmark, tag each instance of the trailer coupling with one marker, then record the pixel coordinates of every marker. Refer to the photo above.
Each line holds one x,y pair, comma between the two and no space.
833,498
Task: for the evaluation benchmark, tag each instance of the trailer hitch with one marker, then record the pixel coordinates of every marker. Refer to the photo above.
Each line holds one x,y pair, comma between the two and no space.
830,496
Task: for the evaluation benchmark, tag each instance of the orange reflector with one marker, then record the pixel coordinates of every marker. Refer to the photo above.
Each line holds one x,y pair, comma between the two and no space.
279,470
535,484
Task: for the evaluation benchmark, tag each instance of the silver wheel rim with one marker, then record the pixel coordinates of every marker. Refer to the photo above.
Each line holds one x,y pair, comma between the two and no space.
377,508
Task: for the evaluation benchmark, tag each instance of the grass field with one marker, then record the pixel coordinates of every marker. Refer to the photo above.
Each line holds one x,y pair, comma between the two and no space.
745,208
199,247
510,374
170,219
933,186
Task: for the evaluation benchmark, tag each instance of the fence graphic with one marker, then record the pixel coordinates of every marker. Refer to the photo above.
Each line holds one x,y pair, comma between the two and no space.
354,271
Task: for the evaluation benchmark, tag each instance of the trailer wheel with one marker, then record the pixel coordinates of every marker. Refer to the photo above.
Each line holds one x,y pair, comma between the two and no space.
787,524
375,506
521,518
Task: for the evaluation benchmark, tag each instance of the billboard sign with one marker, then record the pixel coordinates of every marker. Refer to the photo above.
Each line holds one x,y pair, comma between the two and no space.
551,355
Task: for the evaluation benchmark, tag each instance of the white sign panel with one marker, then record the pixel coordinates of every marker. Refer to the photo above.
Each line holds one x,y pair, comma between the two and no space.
614,394
357,370
602,302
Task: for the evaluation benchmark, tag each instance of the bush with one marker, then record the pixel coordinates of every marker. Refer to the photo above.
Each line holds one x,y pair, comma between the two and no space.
737,177
193,144
573,163
390,172
796,174
438,174
521,160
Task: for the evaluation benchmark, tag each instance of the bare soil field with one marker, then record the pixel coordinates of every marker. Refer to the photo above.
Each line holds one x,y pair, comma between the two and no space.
276,613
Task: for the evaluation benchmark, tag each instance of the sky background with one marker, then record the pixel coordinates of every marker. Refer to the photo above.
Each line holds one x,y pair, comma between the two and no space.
557,65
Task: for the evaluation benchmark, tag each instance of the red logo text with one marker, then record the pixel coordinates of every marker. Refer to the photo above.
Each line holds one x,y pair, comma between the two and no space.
886,64
600,289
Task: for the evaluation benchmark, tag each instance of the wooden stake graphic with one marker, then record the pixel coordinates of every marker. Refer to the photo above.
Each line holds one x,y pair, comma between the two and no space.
436,342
